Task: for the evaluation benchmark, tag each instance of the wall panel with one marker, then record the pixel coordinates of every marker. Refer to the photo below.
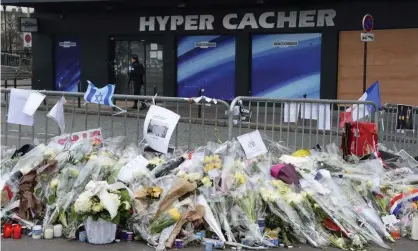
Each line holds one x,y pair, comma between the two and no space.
392,60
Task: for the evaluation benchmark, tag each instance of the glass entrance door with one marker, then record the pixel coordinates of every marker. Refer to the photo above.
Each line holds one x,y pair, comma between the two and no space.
150,55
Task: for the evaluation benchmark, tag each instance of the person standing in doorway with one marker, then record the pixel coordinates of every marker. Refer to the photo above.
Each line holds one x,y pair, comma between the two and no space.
136,78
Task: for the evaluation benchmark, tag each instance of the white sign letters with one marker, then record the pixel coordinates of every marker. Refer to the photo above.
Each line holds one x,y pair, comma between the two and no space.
234,21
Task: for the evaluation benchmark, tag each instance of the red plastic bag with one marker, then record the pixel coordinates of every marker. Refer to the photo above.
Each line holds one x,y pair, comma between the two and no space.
362,138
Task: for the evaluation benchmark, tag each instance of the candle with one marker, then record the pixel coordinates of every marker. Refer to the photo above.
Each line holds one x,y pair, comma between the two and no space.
414,228
58,230
17,231
49,233
7,230
36,232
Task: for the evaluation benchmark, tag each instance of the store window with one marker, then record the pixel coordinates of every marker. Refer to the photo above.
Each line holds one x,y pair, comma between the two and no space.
208,63
286,65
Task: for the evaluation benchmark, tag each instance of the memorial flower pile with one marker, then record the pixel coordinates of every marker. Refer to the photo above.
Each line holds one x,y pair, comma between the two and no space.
211,194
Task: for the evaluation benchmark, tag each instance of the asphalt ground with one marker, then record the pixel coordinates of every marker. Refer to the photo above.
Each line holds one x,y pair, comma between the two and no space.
28,244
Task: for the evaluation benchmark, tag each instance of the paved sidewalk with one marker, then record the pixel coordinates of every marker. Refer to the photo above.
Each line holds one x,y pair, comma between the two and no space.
28,244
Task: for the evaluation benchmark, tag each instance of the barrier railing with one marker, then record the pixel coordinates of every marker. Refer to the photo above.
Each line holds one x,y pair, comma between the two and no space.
192,129
399,130
299,123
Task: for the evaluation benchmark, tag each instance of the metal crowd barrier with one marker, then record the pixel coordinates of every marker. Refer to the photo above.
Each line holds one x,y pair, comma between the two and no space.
399,133
199,122
202,122
304,131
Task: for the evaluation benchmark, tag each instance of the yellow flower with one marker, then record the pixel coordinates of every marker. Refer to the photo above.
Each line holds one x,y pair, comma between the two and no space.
283,187
93,156
181,174
207,159
302,153
206,181
174,214
54,183
156,161
240,178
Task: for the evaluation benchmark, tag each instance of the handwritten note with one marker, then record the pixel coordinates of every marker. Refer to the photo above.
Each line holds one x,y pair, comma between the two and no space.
253,144
17,101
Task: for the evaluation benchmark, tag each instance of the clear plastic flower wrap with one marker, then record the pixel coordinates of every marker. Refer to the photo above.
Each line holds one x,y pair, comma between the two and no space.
364,211
251,205
30,160
221,205
337,207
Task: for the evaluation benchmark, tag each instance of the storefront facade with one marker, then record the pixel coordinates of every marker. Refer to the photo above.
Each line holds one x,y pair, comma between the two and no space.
283,51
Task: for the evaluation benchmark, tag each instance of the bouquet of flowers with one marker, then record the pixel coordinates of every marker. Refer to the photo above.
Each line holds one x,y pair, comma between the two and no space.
251,205
108,202
165,220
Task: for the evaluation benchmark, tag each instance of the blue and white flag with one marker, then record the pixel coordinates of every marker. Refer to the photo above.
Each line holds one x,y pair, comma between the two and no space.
101,96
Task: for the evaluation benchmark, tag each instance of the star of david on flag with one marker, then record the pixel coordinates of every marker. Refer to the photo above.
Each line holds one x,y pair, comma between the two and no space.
101,96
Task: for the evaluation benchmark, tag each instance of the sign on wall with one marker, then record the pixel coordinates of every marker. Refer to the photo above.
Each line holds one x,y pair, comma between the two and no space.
28,24
234,21
27,39
67,64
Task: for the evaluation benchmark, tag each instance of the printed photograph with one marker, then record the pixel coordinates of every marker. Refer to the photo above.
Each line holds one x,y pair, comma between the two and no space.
404,118
157,128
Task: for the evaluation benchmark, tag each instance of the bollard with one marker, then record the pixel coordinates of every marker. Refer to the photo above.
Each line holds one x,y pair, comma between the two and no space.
199,111
79,90
15,83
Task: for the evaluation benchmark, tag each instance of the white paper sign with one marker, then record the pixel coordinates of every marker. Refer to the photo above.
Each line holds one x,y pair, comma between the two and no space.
253,144
153,54
154,46
324,118
57,114
34,101
160,55
389,220
291,112
137,166
17,101
159,126
310,111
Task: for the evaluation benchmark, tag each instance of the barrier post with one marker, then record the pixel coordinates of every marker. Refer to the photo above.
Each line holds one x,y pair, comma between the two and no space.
79,90
5,86
15,83
155,92
199,111
304,107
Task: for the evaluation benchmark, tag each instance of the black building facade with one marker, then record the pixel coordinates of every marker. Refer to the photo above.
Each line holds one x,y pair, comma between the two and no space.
108,32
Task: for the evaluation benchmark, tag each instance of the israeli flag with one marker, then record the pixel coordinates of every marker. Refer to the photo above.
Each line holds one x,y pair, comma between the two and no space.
102,96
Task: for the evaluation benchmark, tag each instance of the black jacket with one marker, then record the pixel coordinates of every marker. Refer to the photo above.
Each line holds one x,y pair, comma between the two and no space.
137,72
